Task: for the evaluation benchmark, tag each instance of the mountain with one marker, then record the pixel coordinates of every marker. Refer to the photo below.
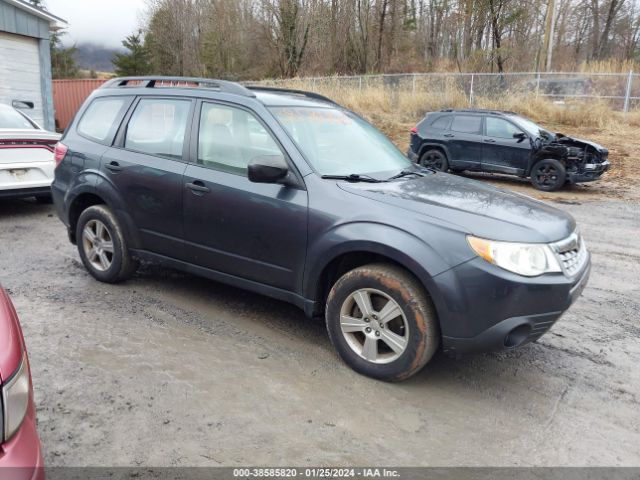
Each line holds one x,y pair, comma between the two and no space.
95,57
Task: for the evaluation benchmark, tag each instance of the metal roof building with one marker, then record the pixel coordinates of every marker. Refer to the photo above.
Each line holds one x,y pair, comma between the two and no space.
25,60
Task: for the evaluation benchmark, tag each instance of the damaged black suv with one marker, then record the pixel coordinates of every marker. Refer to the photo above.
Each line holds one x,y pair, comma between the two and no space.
504,142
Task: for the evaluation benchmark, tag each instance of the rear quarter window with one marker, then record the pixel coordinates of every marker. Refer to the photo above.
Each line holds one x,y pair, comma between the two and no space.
101,119
466,123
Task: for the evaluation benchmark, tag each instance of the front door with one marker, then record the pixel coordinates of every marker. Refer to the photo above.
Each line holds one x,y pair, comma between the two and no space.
502,152
250,230
146,167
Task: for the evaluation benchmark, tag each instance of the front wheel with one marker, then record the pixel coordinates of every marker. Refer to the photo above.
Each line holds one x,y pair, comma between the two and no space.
435,159
102,246
381,322
548,175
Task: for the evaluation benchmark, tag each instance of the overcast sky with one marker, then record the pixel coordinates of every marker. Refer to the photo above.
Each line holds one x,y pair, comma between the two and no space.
105,22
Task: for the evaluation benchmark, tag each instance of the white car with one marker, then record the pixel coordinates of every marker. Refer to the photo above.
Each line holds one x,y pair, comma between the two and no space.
26,156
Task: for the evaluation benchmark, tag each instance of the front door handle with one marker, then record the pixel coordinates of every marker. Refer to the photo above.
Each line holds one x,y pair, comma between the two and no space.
489,140
198,186
114,167
449,135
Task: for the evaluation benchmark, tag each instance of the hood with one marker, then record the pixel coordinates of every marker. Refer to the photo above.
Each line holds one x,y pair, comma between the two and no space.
474,207
579,142
11,341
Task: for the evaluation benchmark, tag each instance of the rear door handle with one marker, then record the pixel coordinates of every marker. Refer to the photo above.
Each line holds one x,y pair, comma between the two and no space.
489,140
113,167
198,186
449,135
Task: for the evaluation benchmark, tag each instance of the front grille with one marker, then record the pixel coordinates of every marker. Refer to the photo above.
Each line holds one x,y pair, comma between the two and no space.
572,253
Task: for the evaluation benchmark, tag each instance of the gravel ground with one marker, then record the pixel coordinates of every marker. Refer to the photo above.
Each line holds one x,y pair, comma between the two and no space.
173,370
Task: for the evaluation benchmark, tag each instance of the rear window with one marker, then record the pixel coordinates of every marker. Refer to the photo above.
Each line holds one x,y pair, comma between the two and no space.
100,121
466,124
442,123
10,118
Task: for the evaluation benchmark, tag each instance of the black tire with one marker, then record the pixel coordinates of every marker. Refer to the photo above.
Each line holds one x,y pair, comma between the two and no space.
548,175
44,199
121,266
435,159
421,340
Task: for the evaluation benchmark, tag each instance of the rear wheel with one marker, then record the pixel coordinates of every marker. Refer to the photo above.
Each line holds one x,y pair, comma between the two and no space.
435,159
548,175
381,322
102,245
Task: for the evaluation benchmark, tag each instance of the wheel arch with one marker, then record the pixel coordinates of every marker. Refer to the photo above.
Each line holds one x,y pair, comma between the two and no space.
357,254
433,146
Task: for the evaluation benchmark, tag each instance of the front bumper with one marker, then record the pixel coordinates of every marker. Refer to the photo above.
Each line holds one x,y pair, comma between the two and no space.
26,192
21,456
590,173
486,308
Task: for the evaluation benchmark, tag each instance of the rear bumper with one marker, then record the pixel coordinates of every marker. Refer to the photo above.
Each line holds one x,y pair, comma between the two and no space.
589,175
26,192
21,457
495,310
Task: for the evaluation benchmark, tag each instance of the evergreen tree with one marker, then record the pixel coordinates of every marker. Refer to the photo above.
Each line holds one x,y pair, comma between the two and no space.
63,61
136,61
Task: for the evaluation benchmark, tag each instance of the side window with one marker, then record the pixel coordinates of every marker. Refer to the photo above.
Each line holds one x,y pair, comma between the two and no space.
157,127
99,120
442,123
229,138
466,123
497,127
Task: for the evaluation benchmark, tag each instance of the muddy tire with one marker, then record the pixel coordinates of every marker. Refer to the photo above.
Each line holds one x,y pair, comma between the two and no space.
435,159
548,175
382,322
102,246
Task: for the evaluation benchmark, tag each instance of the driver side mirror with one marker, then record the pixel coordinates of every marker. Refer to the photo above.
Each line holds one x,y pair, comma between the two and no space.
520,136
267,169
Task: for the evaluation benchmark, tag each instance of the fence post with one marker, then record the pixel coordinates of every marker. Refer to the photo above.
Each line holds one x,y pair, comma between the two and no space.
628,92
413,84
360,82
471,92
537,84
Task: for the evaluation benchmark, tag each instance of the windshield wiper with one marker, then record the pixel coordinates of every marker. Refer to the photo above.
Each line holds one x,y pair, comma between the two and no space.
406,173
353,177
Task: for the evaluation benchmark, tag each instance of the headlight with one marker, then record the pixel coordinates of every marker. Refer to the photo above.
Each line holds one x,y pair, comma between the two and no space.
15,399
528,259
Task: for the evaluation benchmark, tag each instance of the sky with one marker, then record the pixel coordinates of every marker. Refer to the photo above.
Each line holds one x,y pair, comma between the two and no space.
105,22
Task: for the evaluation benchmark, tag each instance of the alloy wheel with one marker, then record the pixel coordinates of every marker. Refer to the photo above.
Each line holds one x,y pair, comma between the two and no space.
547,175
374,326
434,160
98,245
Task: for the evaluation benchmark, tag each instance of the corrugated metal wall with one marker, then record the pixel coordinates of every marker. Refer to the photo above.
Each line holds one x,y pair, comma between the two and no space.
68,96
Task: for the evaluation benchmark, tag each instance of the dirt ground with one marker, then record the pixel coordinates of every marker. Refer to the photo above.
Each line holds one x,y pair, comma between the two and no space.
173,370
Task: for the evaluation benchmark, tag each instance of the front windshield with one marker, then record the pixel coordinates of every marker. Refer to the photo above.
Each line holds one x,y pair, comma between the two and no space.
10,118
532,128
337,142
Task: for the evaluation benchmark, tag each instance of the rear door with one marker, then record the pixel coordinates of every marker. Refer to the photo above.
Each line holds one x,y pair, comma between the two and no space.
501,151
146,165
254,231
464,141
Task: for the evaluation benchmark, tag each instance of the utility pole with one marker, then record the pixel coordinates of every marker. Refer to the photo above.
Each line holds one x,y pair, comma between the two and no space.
550,25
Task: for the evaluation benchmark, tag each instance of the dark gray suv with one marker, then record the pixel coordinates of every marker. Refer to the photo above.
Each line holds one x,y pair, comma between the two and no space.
290,195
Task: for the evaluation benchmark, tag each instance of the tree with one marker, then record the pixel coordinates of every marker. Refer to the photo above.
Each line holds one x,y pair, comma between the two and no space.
63,62
136,61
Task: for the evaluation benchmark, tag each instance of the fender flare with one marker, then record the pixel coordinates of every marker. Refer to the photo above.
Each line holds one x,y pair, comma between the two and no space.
399,246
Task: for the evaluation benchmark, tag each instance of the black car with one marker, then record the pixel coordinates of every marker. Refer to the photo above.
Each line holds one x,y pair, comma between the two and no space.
504,142
290,195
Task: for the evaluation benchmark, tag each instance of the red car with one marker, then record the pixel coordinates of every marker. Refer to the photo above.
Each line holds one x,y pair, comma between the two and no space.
19,443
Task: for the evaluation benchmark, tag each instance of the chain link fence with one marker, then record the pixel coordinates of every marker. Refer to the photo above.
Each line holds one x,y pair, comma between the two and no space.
621,91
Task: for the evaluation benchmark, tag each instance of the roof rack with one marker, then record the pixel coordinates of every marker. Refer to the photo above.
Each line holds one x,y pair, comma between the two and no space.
315,96
189,82
478,110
